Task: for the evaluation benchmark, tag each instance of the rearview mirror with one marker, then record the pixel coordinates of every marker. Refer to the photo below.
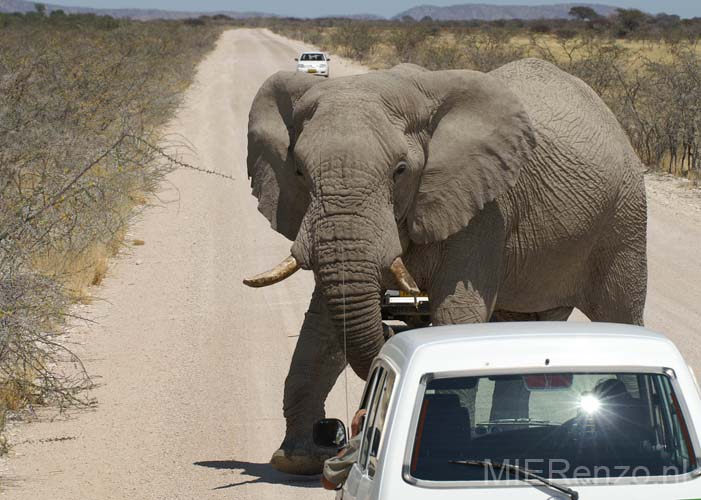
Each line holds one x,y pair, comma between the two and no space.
330,433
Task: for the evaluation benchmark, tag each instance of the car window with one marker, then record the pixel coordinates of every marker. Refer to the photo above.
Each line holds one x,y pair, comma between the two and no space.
370,388
679,438
559,425
376,433
312,57
370,418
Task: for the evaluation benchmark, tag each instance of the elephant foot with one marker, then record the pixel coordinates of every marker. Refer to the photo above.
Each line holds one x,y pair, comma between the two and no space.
306,461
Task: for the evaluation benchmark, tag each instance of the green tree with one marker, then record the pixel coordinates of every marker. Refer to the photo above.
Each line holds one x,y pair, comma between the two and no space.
40,8
630,20
584,13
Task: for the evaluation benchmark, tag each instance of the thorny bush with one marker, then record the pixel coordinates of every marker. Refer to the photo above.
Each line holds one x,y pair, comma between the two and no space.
79,106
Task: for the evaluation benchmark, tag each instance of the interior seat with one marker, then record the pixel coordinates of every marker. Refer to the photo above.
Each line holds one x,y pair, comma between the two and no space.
445,433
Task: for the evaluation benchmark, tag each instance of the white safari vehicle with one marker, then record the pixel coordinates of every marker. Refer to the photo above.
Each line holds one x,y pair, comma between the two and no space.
524,411
314,62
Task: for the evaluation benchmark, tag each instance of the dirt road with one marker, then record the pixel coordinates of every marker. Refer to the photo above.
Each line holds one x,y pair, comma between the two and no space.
192,364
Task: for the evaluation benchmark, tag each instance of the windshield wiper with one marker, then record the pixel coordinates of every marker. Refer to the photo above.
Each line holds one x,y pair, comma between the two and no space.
517,421
523,472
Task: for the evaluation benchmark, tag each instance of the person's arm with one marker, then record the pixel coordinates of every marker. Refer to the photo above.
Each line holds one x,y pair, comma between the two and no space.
328,485
357,420
337,467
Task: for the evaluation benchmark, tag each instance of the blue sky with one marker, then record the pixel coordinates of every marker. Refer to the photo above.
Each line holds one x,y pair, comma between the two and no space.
308,8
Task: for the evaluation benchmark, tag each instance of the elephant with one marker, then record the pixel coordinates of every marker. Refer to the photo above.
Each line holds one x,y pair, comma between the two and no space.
509,194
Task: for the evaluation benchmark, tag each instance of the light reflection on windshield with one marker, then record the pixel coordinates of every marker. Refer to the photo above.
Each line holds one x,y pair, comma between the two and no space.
564,425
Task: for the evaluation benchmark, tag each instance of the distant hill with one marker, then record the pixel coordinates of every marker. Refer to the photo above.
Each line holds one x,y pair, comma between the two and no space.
451,13
139,14
486,12
359,17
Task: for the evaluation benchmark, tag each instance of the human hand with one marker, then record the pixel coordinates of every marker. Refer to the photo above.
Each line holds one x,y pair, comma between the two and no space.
356,422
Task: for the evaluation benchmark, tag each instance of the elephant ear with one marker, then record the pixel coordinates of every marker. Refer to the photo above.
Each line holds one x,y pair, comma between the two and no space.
480,138
282,197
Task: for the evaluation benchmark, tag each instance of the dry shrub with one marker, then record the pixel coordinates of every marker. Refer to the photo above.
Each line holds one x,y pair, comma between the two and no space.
407,40
695,178
355,39
311,36
32,358
485,51
81,100
440,54
658,102
599,62
78,271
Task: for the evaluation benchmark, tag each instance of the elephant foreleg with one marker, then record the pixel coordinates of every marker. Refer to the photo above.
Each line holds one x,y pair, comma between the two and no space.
465,285
316,364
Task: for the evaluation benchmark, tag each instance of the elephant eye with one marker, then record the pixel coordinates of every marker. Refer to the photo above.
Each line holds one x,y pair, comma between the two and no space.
401,168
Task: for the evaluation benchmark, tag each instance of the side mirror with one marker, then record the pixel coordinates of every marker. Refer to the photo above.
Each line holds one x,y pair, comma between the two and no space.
296,58
329,60
330,433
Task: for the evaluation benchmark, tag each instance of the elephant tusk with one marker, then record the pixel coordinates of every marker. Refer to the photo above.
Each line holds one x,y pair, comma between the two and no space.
404,279
283,270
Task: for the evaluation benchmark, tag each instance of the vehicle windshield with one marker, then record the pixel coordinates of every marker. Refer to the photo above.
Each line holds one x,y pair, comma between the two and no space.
565,425
312,57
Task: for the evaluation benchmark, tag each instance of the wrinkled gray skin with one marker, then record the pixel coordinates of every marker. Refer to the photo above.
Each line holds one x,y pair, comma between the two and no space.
521,197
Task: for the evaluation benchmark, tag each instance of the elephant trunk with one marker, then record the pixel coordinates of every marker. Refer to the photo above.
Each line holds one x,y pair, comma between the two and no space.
349,255
352,291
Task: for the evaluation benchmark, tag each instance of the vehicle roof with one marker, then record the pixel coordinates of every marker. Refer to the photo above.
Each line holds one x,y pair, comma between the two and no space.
527,345
313,52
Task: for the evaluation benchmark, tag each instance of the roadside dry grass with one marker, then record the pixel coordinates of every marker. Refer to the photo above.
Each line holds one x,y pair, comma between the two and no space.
82,99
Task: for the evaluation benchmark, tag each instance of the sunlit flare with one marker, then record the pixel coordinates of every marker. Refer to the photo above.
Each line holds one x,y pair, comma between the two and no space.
590,404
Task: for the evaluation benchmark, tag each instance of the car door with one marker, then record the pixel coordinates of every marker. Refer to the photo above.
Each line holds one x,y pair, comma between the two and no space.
360,484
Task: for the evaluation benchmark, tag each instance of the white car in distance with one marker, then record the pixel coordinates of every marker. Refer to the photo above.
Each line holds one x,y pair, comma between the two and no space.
526,411
316,63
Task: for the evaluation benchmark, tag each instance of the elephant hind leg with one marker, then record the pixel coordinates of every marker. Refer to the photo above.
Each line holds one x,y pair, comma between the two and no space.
617,288
617,267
